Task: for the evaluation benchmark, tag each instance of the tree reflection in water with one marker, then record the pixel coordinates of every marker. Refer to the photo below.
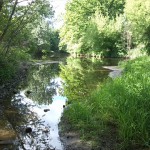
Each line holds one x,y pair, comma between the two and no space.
44,87
41,83
81,76
39,137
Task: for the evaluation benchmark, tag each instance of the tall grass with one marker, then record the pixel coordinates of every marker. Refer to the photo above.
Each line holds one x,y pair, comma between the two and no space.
125,102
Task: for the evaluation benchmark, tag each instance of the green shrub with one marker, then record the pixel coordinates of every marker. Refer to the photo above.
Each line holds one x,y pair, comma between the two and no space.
9,64
7,69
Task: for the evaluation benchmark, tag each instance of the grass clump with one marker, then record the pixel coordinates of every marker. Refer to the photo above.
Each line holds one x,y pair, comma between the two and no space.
125,102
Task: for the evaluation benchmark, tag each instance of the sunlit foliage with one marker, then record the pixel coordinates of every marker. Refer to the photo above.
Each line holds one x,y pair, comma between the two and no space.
138,17
110,28
78,18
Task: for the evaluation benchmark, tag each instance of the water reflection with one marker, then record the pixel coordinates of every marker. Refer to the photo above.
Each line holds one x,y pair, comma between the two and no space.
43,119
42,83
40,104
81,76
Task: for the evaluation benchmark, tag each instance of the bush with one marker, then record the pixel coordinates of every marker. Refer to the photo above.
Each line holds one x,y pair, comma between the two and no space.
106,36
9,64
7,69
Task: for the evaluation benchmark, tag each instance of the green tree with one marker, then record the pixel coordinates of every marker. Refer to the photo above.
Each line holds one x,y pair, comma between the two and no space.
78,20
16,17
138,17
1,4
18,20
105,36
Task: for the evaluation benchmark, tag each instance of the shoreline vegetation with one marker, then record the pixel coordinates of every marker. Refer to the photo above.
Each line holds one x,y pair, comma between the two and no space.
116,115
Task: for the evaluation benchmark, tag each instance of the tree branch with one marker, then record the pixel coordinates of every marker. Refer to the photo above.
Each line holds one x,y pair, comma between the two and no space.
9,21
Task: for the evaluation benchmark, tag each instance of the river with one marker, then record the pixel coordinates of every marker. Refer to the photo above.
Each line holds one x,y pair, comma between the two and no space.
34,112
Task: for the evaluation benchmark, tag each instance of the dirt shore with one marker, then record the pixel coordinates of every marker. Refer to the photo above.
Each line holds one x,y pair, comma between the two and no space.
7,90
71,139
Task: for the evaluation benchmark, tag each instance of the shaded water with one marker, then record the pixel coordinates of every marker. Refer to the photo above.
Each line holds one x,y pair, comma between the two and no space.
39,104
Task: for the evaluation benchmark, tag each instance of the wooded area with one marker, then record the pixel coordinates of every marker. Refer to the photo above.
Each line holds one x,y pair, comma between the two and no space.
26,31
26,25
109,28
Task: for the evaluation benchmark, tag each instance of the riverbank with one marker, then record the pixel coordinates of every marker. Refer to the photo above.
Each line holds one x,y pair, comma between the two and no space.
71,139
8,89
116,115
11,86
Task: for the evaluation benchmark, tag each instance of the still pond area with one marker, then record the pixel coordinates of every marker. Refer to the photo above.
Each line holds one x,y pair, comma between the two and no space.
34,112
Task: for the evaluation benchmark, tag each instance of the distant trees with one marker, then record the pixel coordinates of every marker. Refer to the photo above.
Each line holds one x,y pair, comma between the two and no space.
25,24
109,27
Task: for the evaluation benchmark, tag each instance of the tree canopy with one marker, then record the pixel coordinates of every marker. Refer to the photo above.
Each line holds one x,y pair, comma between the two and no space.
107,27
27,25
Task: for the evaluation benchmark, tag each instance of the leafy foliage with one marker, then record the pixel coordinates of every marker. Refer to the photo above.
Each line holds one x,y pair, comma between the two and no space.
107,27
138,17
9,65
79,24
24,30
103,35
25,24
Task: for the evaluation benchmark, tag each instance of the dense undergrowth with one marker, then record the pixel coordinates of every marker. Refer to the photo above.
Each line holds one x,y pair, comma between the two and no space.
122,104
9,64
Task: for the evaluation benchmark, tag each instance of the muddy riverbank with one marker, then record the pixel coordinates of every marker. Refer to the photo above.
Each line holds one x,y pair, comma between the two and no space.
7,132
72,139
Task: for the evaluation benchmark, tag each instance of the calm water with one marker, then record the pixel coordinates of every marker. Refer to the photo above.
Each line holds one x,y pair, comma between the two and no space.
39,104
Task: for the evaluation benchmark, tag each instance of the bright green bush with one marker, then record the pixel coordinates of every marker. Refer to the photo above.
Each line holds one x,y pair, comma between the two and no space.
105,36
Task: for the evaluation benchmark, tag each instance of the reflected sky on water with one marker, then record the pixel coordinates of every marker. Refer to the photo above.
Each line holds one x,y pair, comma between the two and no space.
42,118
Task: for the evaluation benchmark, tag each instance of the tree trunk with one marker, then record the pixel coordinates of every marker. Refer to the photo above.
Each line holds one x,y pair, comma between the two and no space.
16,31
9,21
1,5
